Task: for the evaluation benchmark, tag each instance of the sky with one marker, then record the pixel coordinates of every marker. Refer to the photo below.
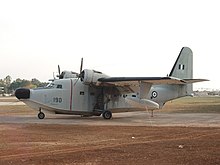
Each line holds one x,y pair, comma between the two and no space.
117,37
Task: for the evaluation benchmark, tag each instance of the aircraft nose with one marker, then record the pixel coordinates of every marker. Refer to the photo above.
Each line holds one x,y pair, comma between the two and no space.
22,93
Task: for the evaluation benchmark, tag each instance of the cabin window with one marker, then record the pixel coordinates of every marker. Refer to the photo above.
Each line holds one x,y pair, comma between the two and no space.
59,86
81,93
133,96
125,96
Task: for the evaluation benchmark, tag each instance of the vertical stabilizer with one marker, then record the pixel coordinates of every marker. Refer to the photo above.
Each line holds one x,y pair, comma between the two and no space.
183,67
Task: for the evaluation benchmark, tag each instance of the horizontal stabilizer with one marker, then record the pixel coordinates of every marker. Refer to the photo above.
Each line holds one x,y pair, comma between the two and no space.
190,81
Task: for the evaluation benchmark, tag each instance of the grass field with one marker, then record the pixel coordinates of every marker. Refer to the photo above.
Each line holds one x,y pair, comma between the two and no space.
193,105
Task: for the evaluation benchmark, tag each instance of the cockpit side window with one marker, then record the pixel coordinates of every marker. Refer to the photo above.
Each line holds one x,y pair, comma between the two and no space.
51,85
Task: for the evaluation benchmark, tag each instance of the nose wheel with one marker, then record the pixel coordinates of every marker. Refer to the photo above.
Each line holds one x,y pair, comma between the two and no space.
41,115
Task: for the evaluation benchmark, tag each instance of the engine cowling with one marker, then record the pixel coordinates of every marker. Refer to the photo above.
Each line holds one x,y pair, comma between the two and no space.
91,76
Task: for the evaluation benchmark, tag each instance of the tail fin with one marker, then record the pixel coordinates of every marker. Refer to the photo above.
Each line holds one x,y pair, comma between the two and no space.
183,67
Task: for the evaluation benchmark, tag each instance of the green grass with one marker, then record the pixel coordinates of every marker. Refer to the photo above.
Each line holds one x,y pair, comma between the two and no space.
194,105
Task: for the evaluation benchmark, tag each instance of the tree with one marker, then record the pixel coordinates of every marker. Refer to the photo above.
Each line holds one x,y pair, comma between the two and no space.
2,84
20,83
7,82
36,82
9,86
15,84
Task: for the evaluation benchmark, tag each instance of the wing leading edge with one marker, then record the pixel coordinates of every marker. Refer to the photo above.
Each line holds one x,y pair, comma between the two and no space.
135,81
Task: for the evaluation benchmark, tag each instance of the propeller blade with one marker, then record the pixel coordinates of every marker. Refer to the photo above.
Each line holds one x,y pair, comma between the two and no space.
54,76
59,70
81,66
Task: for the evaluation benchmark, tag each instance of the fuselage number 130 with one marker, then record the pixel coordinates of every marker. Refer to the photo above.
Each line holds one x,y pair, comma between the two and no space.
57,100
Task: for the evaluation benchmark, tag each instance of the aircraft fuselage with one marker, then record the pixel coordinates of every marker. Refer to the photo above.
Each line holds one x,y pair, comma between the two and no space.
71,96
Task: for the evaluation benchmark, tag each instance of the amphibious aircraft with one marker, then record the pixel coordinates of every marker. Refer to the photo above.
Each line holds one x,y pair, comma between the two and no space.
91,92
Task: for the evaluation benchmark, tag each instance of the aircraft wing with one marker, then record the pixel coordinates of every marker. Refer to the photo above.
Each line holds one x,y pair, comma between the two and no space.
128,84
133,84
135,81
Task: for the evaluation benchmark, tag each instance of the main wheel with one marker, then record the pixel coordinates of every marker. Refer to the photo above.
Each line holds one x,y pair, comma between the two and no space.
107,114
41,115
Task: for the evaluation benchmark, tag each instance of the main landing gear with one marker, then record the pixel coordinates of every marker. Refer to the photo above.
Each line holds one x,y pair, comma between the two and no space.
107,114
41,115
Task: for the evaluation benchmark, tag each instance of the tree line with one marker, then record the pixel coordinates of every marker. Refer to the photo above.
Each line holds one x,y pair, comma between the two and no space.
8,86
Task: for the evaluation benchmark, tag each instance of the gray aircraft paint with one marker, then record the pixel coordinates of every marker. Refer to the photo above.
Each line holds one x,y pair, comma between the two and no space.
95,93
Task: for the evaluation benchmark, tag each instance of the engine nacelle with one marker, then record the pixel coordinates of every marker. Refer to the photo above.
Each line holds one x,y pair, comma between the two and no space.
91,76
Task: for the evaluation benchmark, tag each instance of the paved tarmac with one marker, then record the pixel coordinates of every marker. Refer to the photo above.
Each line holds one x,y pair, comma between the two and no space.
123,119
142,118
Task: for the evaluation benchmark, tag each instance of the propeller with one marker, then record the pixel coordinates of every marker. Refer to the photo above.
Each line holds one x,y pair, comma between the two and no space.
81,74
81,66
59,70
54,76
60,75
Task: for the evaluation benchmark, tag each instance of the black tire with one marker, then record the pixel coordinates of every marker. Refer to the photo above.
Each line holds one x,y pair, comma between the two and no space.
41,115
107,114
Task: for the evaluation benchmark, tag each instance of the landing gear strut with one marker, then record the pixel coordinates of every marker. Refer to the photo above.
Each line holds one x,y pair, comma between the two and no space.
152,113
41,115
107,114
